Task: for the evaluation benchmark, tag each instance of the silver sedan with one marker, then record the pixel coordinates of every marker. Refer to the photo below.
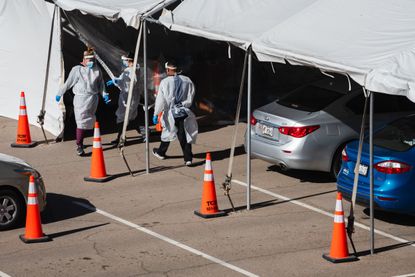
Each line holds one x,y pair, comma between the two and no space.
14,183
308,128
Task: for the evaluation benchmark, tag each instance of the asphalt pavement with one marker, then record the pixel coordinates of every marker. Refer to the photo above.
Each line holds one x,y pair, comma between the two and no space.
145,225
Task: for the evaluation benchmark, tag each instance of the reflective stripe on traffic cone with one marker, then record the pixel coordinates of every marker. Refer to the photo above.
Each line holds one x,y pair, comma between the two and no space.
34,231
209,206
339,251
98,172
23,138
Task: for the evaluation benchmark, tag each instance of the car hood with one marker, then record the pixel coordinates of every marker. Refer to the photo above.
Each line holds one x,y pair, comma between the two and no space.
277,111
12,159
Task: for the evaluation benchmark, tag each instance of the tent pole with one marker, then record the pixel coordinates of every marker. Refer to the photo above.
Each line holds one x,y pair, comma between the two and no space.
41,116
147,153
248,128
372,221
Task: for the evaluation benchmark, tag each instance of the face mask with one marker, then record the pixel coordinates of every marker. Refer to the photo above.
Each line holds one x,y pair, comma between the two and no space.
125,63
90,64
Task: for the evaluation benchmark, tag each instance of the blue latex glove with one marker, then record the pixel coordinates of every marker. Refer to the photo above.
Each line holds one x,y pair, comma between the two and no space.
112,82
106,98
155,119
58,98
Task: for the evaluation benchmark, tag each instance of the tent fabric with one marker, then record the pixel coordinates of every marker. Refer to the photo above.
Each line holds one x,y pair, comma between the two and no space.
371,41
25,29
235,21
128,10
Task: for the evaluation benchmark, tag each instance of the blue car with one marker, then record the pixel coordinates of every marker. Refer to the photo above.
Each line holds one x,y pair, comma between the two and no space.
393,168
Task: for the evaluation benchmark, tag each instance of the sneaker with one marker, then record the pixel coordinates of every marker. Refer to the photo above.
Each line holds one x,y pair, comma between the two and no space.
157,155
188,163
80,150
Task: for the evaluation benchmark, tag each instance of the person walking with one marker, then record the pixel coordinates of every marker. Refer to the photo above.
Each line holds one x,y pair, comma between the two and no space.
174,99
87,82
123,84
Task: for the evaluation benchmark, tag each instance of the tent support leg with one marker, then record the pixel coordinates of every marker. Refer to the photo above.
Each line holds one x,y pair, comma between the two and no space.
41,116
147,152
372,221
248,128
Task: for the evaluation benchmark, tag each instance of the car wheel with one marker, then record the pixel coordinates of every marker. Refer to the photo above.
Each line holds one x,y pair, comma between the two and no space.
11,209
337,162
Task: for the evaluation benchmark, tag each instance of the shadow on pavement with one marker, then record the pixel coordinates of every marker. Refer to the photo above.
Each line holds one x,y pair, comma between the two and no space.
215,155
385,248
394,218
305,175
73,231
61,207
277,202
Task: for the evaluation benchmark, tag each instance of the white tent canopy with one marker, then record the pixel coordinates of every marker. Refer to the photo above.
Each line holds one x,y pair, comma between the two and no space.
129,10
372,41
25,29
235,21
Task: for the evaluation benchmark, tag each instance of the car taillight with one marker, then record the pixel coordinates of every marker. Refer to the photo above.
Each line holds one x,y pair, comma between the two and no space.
345,158
253,120
298,132
392,167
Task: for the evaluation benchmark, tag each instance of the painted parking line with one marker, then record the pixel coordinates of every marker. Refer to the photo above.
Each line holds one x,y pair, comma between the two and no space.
304,205
166,239
406,275
2,274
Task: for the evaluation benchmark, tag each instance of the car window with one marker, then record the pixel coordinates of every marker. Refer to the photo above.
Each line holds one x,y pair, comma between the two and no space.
398,135
310,98
384,103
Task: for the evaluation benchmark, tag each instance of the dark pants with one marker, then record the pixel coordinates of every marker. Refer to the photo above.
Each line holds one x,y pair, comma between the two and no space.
80,135
181,136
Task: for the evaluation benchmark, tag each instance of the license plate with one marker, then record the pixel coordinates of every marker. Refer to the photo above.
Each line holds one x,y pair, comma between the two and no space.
266,130
363,169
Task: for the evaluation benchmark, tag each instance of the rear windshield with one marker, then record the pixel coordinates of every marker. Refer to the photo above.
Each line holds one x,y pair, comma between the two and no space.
310,98
398,135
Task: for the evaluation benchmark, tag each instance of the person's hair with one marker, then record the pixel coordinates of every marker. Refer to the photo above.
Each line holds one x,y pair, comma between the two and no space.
89,51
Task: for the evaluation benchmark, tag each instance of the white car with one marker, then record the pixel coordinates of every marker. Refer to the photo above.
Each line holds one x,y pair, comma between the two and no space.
14,183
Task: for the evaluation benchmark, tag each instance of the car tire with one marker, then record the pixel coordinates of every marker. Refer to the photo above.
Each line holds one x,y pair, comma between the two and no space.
336,162
12,209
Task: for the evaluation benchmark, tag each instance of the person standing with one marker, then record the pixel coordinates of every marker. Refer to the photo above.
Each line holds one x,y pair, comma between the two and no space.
174,99
123,84
87,82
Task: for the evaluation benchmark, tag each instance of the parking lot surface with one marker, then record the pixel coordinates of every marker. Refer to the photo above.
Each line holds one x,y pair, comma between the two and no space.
145,225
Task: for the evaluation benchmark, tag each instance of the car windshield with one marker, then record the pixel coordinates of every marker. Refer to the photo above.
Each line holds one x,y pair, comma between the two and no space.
398,135
310,98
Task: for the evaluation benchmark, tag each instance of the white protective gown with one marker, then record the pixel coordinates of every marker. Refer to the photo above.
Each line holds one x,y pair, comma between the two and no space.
87,83
164,103
123,83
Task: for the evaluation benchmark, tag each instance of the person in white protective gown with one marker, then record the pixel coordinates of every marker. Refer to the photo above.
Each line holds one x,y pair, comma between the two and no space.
174,99
86,82
123,84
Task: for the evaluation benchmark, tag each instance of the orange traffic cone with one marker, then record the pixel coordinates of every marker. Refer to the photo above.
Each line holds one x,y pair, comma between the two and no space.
339,252
209,205
34,231
23,138
98,172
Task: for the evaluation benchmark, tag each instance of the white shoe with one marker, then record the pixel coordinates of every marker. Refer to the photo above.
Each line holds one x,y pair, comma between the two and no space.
188,163
160,157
